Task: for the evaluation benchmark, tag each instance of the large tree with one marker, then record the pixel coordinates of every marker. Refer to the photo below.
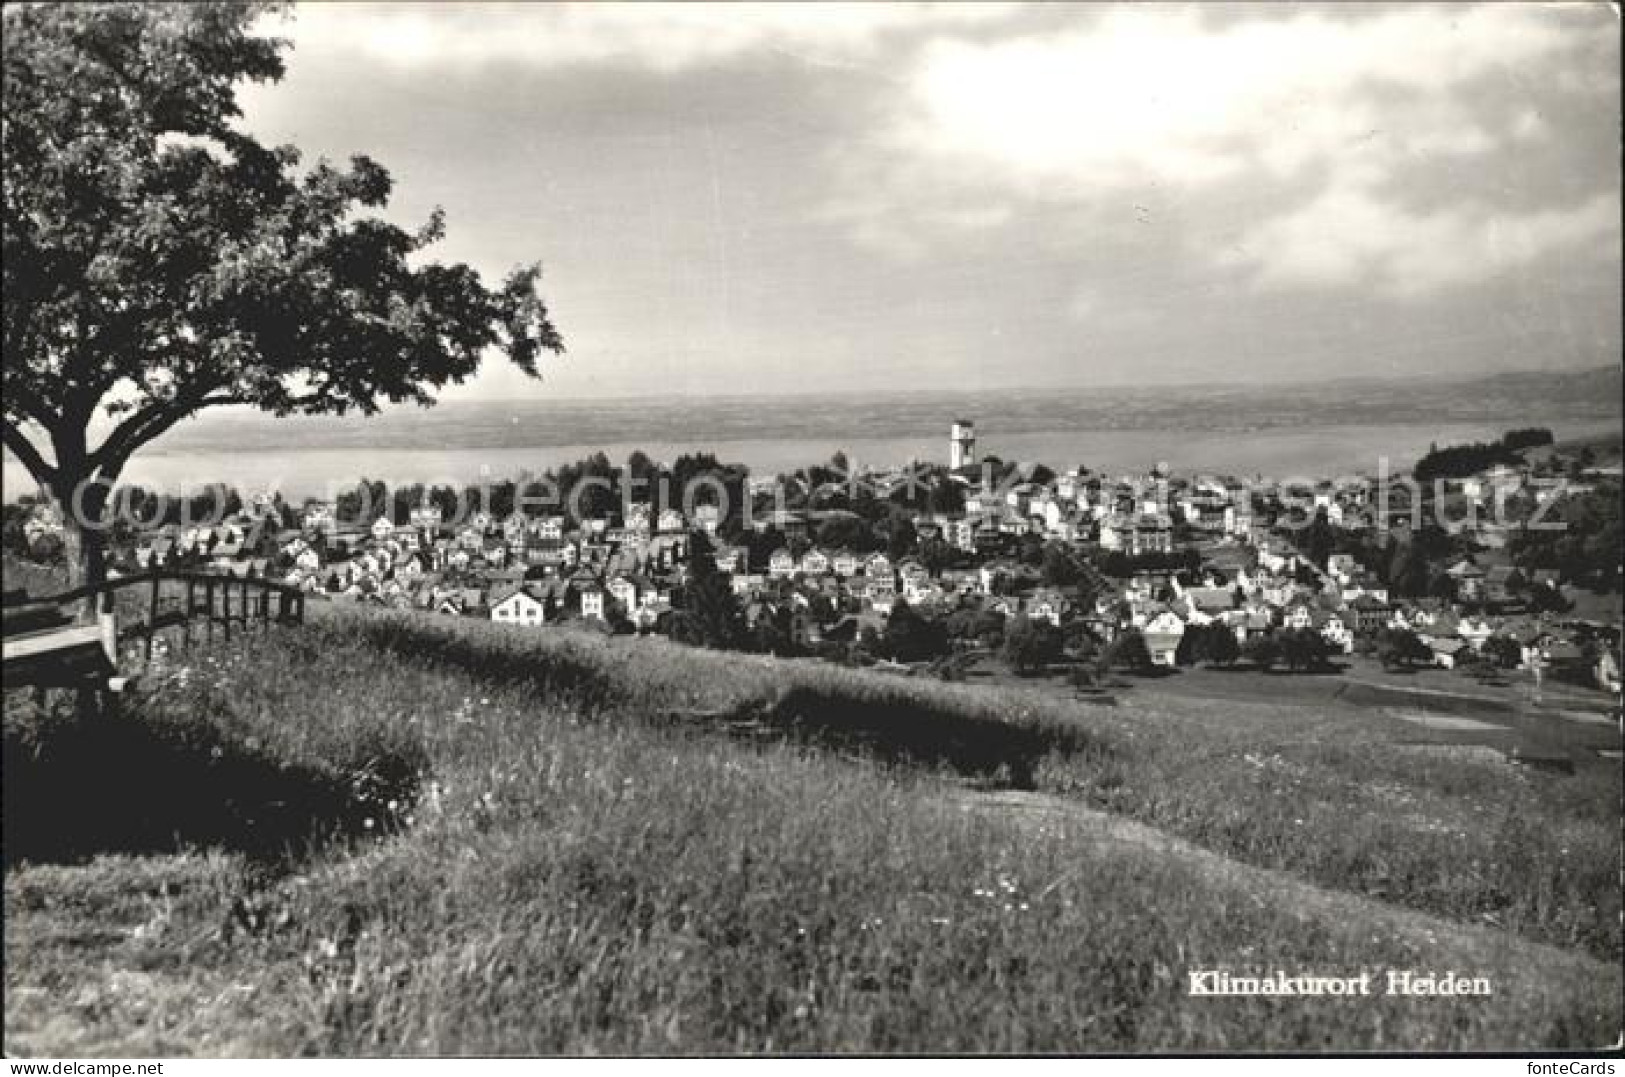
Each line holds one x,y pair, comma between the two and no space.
159,260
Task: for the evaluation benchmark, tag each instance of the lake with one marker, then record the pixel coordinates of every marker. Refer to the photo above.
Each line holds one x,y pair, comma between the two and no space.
1275,453
1276,431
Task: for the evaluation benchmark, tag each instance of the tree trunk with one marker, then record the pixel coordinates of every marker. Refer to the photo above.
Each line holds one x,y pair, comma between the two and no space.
84,537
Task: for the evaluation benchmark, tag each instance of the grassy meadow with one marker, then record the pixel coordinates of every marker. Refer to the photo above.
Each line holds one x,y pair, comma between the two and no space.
390,833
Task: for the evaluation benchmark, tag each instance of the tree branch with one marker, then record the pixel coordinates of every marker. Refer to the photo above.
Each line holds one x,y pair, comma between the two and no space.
25,451
23,400
146,425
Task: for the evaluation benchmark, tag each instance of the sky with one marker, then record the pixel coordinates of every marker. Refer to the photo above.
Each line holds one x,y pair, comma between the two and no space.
797,197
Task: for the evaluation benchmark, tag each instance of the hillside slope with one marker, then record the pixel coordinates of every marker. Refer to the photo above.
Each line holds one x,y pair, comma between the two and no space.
557,856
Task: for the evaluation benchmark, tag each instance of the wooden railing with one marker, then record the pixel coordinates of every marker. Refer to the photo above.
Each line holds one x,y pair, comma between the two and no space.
34,625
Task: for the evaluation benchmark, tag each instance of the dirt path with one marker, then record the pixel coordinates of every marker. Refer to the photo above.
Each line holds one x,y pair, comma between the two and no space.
1509,958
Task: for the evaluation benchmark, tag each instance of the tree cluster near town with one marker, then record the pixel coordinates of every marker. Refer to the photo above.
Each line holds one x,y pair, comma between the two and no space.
159,261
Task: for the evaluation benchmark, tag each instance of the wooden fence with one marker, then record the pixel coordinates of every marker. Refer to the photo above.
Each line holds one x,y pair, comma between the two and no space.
45,648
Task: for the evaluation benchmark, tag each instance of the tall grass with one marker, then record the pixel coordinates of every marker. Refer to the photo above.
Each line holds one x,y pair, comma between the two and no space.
572,878
1336,802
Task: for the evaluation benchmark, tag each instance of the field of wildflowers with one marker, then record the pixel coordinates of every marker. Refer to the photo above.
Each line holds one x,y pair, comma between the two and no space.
548,843
1344,804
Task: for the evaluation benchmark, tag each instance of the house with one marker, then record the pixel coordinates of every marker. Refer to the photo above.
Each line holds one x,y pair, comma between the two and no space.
517,606
1334,630
918,590
1151,532
308,559
781,563
637,517
1213,518
1468,577
805,631
1503,583
253,567
878,565
626,589
515,527
1163,632
815,562
1325,502
1298,615
1607,671
547,554
1445,650
666,551
1211,601
1048,606
960,534
846,563
549,529
318,517
1112,533
1475,631
671,521
1365,585
1370,613
733,559
991,575
1249,622
592,600
1563,652
155,554
382,528
1342,566
426,517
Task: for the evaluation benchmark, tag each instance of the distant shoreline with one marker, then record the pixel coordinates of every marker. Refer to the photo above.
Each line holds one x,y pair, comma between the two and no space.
1281,452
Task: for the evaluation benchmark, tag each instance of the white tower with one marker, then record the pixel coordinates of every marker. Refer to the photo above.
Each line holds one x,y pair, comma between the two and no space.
962,444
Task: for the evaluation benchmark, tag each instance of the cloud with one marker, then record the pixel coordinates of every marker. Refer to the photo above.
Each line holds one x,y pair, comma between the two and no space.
1293,141
1153,92
1348,236
662,36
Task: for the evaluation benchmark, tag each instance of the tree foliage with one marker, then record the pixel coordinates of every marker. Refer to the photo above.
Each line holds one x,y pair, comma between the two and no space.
910,637
159,261
1128,650
709,613
1402,648
1029,645
1262,651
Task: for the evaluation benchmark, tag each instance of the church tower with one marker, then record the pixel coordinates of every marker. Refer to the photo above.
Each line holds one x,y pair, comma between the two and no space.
962,444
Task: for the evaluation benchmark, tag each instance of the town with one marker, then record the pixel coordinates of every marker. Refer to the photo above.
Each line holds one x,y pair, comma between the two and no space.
697,530
927,567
